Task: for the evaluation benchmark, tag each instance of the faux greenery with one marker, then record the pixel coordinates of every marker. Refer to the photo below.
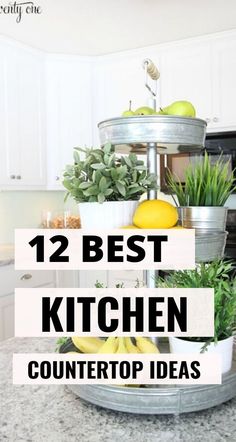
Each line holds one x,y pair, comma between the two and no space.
213,275
206,184
103,176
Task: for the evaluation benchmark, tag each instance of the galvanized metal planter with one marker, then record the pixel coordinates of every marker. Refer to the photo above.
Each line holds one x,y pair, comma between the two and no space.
171,134
209,245
212,218
210,224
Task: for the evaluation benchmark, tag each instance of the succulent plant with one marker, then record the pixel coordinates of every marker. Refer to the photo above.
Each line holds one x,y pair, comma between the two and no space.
103,176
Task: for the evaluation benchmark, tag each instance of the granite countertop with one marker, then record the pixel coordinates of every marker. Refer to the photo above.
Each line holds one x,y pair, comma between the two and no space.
54,414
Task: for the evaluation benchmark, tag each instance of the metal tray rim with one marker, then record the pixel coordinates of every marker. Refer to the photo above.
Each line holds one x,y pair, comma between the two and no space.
160,400
152,391
149,118
170,134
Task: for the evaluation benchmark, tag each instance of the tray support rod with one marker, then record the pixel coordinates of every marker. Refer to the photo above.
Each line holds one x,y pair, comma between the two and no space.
152,195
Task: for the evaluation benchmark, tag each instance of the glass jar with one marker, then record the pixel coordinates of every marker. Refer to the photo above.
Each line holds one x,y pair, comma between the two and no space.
60,220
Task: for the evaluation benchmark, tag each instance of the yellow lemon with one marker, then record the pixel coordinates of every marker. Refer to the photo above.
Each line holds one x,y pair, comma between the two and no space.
131,226
155,214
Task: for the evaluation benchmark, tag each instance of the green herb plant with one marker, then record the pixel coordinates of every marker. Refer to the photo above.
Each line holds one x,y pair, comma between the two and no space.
206,184
103,176
213,275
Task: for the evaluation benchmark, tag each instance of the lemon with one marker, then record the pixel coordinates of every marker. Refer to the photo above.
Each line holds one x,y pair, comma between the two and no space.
155,214
131,226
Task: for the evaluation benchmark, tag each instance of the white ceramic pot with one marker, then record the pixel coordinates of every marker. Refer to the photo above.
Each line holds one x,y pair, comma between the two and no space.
109,215
224,348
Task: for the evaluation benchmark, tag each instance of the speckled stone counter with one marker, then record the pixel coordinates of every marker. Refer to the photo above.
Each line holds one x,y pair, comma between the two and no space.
53,414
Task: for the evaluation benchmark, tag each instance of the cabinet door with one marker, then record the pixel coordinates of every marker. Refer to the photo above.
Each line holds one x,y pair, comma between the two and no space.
68,278
88,278
11,278
9,121
130,278
116,82
68,113
6,316
186,75
32,133
21,114
224,75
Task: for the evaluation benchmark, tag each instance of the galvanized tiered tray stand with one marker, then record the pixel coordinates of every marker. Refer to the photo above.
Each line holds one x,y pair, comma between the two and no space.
153,135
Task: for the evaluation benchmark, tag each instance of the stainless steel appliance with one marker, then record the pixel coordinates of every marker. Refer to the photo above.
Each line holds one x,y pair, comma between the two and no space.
216,144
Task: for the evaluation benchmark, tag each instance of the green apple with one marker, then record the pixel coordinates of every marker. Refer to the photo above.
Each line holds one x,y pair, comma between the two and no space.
144,110
129,112
160,112
180,108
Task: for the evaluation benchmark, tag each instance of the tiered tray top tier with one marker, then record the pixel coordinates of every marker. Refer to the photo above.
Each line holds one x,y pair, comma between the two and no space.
171,134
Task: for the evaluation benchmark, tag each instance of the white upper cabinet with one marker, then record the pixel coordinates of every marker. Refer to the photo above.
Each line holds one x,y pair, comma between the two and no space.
186,75
69,114
116,81
204,73
50,104
224,77
22,118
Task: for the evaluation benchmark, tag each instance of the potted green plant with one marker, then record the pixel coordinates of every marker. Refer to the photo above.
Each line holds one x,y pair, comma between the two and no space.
107,187
202,198
214,275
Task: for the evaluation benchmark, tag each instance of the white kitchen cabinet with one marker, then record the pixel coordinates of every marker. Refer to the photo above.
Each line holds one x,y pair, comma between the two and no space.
186,75
224,90
130,278
110,278
23,154
69,114
202,72
116,81
67,278
81,278
11,279
87,278
50,103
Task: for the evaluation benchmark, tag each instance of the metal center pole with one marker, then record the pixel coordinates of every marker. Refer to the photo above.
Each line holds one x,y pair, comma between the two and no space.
152,195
